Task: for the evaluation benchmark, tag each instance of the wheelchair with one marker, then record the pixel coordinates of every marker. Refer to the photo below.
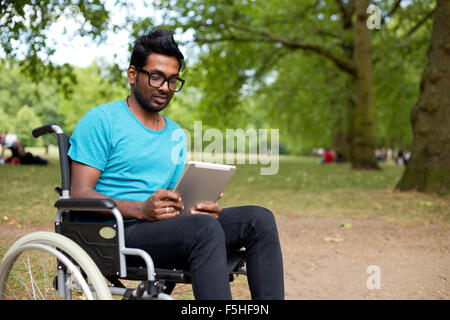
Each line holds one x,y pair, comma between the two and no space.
86,258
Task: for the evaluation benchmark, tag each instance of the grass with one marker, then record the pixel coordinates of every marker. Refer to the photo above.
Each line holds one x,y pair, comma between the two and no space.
27,192
302,187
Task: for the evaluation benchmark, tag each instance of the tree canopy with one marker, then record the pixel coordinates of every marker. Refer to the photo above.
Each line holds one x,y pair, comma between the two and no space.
293,61
278,63
25,105
24,27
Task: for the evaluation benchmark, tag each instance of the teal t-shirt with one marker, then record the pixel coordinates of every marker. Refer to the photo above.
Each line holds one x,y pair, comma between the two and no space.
134,160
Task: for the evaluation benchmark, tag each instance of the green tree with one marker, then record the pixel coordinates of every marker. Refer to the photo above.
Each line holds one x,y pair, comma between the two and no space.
429,167
16,91
25,121
247,42
91,90
5,122
23,33
25,105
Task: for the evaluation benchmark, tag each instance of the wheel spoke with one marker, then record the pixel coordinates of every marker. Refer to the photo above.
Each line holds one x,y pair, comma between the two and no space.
34,284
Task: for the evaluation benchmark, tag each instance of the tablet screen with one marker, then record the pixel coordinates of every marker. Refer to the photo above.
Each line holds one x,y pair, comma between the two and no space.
202,182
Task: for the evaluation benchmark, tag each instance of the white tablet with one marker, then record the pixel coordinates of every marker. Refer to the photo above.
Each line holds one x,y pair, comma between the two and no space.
202,182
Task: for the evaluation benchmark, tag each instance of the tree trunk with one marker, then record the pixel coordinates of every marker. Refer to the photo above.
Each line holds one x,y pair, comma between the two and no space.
349,112
363,144
428,170
350,118
343,137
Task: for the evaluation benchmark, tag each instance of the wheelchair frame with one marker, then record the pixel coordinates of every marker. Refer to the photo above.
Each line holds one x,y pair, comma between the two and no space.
95,250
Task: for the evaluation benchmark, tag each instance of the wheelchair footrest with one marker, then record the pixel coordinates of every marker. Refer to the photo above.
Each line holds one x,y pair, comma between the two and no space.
178,276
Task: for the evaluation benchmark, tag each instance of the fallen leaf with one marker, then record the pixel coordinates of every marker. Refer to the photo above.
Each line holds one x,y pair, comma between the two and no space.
333,239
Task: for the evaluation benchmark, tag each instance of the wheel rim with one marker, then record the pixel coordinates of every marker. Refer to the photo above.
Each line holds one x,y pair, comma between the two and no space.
29,274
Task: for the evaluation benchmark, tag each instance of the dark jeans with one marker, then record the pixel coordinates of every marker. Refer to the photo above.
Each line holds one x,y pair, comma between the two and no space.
200,244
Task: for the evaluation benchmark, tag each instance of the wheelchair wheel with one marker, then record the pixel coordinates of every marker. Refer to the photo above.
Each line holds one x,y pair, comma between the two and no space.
40,263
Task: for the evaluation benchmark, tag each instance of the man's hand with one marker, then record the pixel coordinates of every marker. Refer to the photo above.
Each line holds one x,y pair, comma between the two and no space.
211,208
162,204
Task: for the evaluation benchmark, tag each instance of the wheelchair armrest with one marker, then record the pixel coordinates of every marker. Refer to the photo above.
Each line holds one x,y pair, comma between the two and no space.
85,204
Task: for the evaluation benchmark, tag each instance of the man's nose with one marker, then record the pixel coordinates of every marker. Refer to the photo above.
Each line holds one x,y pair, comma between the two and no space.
165,87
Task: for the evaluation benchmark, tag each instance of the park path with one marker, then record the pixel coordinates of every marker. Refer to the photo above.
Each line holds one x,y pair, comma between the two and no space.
324,260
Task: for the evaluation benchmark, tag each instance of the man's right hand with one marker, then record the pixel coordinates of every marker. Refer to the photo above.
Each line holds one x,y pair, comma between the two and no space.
162,204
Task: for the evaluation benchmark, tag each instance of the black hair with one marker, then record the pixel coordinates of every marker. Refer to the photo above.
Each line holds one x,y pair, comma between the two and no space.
156,41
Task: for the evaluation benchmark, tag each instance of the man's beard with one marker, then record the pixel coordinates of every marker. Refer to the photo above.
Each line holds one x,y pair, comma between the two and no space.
146,103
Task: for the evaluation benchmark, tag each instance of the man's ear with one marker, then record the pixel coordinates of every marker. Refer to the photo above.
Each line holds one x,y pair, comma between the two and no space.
132,74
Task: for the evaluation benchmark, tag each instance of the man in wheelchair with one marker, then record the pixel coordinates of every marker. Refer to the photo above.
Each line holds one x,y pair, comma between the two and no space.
123,150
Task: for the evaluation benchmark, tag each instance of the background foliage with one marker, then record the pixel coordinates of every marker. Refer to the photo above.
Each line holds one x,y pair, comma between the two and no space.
243,80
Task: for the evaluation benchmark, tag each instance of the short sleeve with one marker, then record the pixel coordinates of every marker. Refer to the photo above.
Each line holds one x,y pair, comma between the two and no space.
90,142
178,155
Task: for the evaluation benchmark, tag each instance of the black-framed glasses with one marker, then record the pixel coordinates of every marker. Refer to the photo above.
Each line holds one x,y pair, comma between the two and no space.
156,80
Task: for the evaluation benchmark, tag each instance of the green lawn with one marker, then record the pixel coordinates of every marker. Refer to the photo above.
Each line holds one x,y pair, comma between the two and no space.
302,187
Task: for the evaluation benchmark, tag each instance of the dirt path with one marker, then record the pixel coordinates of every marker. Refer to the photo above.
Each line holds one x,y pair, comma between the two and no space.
324,260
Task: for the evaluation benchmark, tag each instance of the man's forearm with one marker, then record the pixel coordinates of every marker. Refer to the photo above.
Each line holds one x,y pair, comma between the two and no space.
128,209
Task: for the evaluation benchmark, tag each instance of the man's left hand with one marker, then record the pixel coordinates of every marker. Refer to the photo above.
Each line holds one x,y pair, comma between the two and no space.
211,208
